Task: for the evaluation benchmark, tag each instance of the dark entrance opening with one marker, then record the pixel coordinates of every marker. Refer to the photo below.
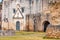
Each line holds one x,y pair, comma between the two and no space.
17,25
0,27
46,23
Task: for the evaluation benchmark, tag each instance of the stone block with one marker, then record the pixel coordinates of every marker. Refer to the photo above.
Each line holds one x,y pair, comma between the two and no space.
53,31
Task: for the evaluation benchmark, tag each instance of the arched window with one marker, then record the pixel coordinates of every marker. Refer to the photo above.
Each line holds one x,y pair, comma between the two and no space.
22,9
14,11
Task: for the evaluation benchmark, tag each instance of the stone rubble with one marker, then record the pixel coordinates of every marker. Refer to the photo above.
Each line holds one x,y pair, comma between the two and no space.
53,31
7,33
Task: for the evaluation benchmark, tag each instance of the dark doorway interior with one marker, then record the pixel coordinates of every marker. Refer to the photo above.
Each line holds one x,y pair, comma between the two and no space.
46,23
0,27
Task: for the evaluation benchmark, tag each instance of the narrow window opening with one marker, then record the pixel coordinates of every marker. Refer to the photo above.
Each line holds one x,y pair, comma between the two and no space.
22,9
14,10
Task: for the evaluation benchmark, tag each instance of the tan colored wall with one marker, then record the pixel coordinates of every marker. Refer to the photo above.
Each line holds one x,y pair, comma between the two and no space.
12,25
55,13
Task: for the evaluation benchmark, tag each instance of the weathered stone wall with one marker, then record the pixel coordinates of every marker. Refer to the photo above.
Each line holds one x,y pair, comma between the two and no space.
54,9
0,16
12,25
7,26
53,31
33,22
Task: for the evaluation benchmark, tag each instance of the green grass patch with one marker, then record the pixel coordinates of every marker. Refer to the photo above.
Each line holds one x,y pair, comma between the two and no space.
50,38
26,36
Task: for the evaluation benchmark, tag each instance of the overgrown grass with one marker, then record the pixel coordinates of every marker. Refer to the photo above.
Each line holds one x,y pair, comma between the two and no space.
27,36
50,38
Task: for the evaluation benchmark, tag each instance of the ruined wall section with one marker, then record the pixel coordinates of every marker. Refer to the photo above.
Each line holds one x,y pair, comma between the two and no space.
55,13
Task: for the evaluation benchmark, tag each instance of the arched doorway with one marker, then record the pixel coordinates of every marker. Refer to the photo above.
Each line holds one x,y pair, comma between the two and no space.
45,24
17,25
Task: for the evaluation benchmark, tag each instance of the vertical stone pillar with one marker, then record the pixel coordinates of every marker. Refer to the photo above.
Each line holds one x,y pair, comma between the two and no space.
34,6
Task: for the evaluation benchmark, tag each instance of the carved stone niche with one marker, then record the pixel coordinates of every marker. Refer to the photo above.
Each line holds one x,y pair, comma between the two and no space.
53,31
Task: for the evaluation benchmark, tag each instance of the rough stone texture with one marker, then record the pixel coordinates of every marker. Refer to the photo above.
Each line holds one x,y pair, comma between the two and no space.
10,32
49,12
0,16
53,31
33,22
1,33
54,9
7,33
35,9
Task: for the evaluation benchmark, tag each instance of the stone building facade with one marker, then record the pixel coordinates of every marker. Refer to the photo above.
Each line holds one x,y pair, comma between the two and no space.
0,16
31,15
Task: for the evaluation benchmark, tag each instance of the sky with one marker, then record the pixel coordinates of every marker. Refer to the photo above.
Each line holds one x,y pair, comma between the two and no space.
0,0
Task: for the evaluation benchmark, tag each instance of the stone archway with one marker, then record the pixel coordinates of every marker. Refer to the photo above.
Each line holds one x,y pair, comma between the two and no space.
45,24
17,25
